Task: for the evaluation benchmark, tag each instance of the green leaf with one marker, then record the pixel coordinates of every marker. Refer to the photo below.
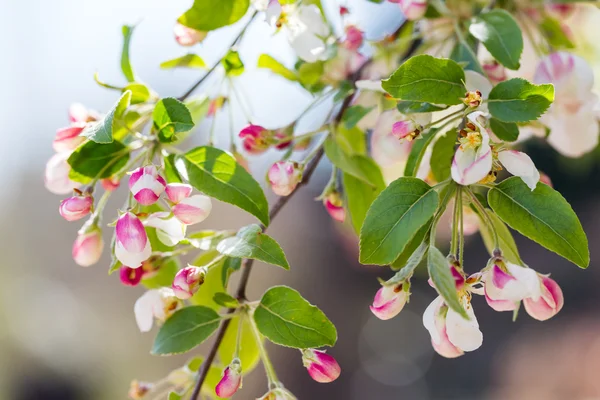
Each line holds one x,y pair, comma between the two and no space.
249,353
225,300
554,33
310,74
198,107
352,141
208,15
206,239
439,271
189,60
230,265
171,174
507,131
506,241
250,242
354,114
427,79
125,62
408,267
186,329
407,254
102,131
170,117
542,215
140,93
92,160
417,152
217,174
463,53
394,218
518,100
174,396
442,154
166,273
359,166
414,107
359,197
268,62
501,36
233,63
286,318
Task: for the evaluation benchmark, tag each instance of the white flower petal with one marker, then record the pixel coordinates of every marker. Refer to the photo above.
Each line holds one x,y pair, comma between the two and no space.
520,164
470,166
429,318
464,334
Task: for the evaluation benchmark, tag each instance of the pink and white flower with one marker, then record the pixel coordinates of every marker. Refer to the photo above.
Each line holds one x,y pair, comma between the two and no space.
78,113
306,32
548,304
335,206
132,246
284,176
389,301
146,185
572,118
178,191
76,207
67,139
130,276
111,184
354,38
88,247
495,71
169,229
506,284
322,367
412,9
187,281
255,139
157,304
56,176
187,36
406,130
231,380
193,209
278,394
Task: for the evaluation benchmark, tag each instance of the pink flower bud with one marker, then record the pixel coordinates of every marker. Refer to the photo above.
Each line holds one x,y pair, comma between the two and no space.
131,276
548,304
178,191
146,185
138,390
389,301
407,130
545,179
187,281
284,176
412,9
335,206
344,11
354,38
495,71
215,105
284,139
187,36
111,184
75,207
193,210
131,245
231,380
68,138
255,139
87,248
56,176
322,367
79,114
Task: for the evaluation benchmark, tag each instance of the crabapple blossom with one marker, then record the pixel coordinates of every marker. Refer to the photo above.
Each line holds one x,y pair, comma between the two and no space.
178,191
389,301
111,184
146,185
131,276
354,38
67,139
193,209
548,304
412,9
322,367
495,71
231,380
187,281
132,246
76,207
56,175
138,390
335,206
157,304
506,284
88,247
407,130
187,36
278,394
255,139
169,229
306,30
284,176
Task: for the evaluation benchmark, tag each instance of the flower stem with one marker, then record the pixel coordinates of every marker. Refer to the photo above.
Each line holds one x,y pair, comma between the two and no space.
264,356
486,217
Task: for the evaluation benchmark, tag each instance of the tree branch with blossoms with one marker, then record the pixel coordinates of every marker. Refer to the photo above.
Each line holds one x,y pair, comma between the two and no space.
423,124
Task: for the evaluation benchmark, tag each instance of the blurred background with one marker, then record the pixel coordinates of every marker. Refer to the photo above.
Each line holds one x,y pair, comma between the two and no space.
69,333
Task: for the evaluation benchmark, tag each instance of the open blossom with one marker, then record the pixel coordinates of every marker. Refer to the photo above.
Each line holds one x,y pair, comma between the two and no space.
412,9
345,63
354,38
169,229
146,185
131,242
322,367
67,139
389,301
88,247
193,209
231,380
572,117
549,303
306,32
506,284
76,207
278,394
78,113
335,206
178,191
284,176
406,130
56,176
131,276
187,281
157,304
255,139
187,36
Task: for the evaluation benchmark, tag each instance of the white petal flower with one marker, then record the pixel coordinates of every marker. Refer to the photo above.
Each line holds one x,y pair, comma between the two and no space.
463,333
520,164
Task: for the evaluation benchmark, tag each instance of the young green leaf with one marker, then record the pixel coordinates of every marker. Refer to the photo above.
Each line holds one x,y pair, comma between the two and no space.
170,117
190,60
542,215
250,242
102,131
554,32
439,271
407,268
140,93
501,36
394,218
506,241
232,63
359,166
412,246
286,318
417,152
225,300
268,62
442,154
517,100
217,174
174,396
208,15
230,265
249,354
507,131
170,172
359,197
463,53
427,79
186,329
93,160
125,61
354,114
412,107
